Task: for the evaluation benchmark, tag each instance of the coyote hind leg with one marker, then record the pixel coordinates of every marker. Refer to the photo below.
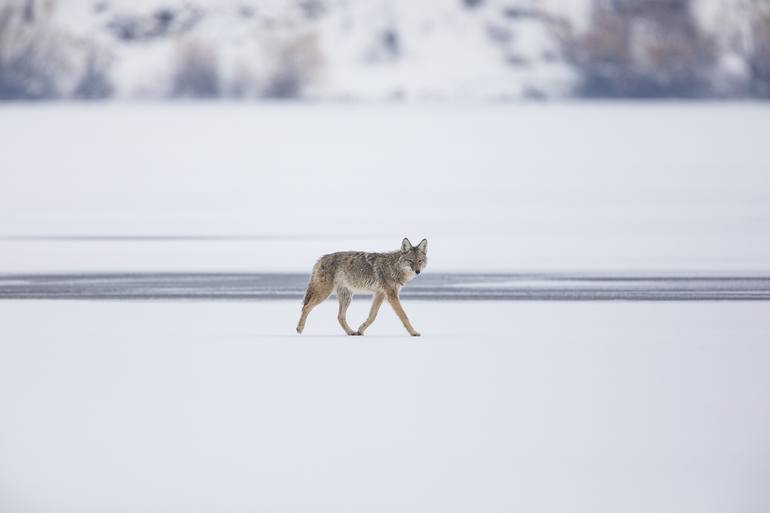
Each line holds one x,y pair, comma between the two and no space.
315,295
344,296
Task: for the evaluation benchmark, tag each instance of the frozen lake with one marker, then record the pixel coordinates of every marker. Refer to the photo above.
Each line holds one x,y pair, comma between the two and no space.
428,286
136,398
234,187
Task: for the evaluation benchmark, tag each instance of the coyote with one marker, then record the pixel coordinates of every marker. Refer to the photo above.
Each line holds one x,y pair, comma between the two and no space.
381,273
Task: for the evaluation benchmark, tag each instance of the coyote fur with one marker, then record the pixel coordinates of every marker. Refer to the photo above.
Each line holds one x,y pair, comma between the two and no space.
383,274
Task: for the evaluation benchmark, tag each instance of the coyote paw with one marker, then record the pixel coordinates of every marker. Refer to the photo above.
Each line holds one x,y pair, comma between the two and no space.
299,330
415,334
356,334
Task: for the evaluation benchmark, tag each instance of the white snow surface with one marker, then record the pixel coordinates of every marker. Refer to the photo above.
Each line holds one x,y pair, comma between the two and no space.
584,187
499,406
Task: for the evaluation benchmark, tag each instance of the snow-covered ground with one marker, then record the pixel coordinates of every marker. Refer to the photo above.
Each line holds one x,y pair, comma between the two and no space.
499,407
585,187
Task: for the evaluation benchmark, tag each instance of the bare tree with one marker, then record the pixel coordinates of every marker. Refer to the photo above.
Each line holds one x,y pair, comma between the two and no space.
196,73
32,55
758,58
94,83
297,62
641,48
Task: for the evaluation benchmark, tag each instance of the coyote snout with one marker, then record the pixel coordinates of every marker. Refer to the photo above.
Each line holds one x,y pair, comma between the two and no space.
380,273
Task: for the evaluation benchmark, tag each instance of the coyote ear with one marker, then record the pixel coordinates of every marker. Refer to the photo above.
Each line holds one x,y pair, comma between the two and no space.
405,245
423,245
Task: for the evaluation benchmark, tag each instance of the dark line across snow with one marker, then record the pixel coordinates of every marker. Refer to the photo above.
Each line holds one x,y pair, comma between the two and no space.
429,286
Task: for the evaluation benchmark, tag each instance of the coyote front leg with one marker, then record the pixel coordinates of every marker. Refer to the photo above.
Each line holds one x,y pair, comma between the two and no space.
396,304
379,297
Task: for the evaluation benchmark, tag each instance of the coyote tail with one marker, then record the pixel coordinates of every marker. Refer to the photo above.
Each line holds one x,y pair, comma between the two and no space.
309,291
308,295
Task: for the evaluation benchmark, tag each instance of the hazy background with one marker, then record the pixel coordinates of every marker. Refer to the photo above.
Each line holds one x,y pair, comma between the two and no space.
384,50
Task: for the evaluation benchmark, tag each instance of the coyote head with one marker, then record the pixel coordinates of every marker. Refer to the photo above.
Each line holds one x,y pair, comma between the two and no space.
413,258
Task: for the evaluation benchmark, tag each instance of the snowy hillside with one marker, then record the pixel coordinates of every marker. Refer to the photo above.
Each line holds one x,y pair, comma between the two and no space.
367,49
382,49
